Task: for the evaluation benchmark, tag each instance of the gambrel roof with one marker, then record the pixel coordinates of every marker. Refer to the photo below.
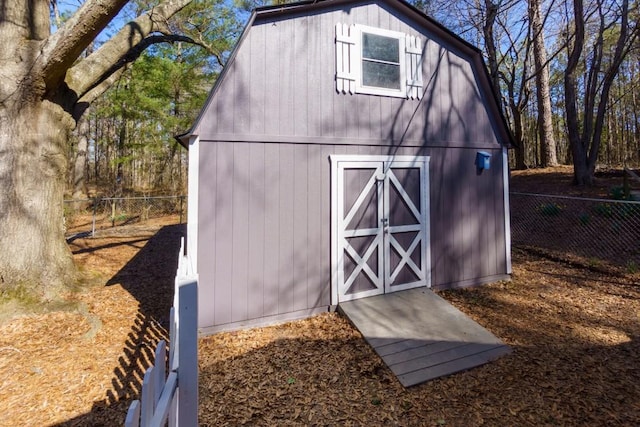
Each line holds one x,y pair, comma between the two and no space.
216,115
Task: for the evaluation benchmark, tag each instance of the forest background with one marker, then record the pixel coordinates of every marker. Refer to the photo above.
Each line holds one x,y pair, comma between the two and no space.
93,93
569,89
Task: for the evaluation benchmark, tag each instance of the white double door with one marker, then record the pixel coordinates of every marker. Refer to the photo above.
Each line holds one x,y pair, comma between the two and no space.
380,225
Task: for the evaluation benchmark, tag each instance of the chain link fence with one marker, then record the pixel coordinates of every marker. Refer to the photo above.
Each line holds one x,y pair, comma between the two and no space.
88,216
595,229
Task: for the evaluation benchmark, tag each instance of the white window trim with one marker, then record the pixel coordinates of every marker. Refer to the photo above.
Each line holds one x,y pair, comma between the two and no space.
349,62
373,90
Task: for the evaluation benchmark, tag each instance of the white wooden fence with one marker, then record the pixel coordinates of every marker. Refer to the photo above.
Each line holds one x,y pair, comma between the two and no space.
173,398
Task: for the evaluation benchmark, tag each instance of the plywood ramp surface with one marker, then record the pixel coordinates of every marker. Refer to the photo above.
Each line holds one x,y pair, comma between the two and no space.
420,336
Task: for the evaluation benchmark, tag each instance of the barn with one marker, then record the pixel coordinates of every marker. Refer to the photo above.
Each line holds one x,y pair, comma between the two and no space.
349,148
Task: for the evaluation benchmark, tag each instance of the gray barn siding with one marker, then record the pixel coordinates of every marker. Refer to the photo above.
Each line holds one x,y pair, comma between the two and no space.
266,135
265,212
281,85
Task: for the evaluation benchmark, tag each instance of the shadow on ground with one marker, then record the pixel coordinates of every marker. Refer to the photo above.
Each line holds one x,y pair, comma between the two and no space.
149,278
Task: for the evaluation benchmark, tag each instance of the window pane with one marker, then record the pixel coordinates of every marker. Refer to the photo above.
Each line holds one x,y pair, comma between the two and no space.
381,75
380,48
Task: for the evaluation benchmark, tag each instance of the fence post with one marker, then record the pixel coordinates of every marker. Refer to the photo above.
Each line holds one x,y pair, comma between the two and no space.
113,212
187,353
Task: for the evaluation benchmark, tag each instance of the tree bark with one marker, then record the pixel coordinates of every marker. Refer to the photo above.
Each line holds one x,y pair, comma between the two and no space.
38,109
491,10
80,160
33,161
543,93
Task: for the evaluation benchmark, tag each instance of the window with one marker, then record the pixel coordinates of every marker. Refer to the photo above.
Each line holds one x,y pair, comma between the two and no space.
378,62
381,62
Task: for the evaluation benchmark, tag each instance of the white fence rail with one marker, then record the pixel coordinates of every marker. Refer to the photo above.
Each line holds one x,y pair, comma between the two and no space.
173,398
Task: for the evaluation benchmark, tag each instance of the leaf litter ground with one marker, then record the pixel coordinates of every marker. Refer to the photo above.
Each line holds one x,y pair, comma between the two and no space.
574,331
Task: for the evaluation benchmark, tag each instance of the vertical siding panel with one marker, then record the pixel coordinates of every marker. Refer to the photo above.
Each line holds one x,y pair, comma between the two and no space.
492,214
436,213
374,116
316,258
341,116
461,217
240,228
301,243
470,214
327,69
242,84
286,66
386,118
257,210
444,97
450,262
484,249
473,104
382,19
484,122
271,229
258,88
317,86
360,125
300,77
498,232
207,213
460,99
224,236
225,100
431,80
286,241
272,79
453,210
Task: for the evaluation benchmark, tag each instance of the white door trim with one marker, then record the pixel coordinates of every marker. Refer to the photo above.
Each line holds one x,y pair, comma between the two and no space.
338,163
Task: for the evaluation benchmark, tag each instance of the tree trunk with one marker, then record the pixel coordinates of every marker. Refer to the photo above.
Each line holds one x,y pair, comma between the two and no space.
585,140
42,82
543,93
80,160
520,150
33,161
490,46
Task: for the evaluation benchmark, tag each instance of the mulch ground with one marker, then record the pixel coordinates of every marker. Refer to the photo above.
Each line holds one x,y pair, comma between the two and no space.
575,335
574,331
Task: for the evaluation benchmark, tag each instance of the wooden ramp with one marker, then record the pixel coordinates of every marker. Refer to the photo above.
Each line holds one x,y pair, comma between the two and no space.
420,336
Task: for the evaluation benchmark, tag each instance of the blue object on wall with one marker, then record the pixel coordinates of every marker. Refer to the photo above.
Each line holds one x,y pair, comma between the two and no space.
483,160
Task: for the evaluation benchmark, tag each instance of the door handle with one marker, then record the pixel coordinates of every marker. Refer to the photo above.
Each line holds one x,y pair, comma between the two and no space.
385,224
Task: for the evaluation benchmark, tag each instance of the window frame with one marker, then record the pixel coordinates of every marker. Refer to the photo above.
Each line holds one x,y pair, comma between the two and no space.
359,45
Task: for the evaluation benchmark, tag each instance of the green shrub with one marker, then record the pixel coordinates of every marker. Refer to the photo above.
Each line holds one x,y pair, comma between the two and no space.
550,209
603,209
617,193
584,218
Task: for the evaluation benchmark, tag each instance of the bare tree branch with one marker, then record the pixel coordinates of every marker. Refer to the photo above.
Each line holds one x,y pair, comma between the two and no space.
89,72
65,46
